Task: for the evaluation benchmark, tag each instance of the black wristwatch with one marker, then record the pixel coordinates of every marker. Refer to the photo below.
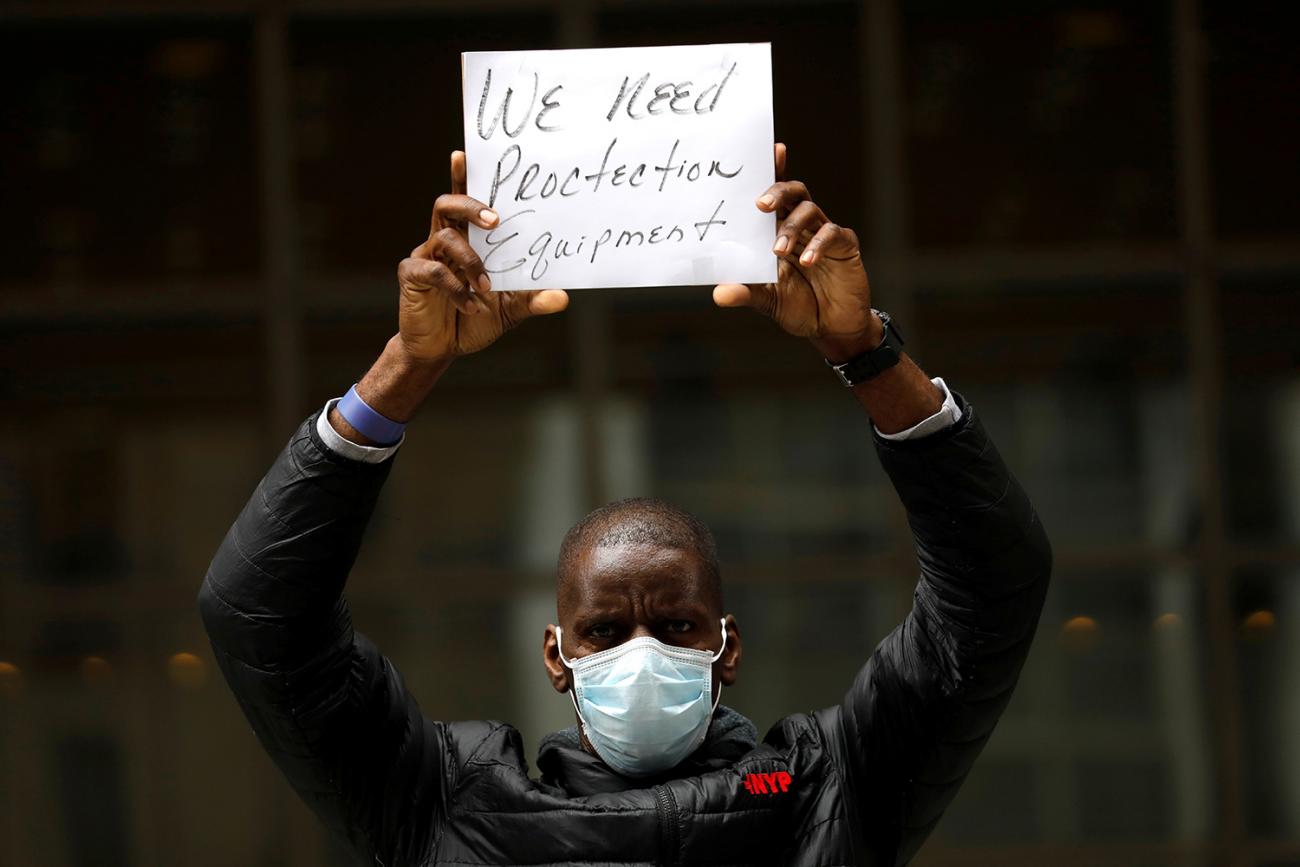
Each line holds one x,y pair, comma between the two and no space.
873,362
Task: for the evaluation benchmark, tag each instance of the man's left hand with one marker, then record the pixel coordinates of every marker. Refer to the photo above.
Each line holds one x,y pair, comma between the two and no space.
821,291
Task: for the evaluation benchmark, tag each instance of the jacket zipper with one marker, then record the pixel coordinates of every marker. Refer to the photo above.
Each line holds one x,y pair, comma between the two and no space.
669,836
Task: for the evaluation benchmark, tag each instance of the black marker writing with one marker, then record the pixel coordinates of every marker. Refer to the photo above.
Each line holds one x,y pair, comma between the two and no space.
546,247
549,103
603,162
716,96
495,244
692,170
622,91
703,226
497,178
575,181
670,92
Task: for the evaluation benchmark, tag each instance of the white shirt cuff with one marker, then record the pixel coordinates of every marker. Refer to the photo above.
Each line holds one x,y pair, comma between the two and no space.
335,442
948,415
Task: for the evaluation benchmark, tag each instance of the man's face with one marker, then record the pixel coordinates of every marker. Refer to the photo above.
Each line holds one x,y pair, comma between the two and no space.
614,593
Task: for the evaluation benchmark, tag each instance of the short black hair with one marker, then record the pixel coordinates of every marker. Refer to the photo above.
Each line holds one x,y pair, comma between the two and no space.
643,520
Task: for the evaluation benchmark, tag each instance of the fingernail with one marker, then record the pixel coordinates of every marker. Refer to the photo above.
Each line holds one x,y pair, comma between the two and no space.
488,216
781,244
483,308
766,201
484,283
808,256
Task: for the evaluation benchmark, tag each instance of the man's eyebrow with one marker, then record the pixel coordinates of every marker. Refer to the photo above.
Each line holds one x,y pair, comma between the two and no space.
594,615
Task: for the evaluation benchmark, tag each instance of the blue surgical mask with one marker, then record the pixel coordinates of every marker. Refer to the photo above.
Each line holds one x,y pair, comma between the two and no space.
644,705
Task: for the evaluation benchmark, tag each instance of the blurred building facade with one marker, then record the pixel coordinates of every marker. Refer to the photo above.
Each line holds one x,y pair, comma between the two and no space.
1082,213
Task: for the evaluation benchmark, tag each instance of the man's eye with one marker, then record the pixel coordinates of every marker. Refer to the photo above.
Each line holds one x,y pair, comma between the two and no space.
601,630
679,626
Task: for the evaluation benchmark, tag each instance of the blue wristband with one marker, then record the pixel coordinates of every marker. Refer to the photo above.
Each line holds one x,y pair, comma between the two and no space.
369,423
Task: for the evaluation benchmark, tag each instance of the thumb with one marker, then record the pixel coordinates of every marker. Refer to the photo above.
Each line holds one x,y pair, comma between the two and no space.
760,296
518,306
547,301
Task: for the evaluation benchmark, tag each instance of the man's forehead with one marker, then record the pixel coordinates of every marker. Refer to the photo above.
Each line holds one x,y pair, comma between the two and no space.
604,574
630,558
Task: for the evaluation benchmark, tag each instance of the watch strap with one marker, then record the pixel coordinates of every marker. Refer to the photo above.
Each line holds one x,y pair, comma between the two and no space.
870,364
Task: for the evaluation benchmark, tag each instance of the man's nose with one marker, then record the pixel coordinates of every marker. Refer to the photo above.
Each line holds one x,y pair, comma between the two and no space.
641,630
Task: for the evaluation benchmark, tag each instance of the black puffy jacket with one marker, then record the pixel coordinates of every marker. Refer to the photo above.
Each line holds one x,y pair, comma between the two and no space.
862,782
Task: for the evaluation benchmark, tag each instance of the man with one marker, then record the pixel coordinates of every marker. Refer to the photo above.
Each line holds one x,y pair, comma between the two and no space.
656,771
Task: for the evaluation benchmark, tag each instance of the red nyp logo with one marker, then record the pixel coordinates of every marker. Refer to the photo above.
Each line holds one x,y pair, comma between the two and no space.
767,784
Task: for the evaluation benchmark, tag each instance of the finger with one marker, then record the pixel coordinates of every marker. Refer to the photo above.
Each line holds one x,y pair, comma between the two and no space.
760,296
831,241
459,174
456,208
430,275
782,197
452,248
780,153
806,217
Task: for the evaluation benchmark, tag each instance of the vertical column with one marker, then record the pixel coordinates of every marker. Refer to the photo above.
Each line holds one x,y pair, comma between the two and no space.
281,319
1206,368
589,318
880,36
22,793
1284,421
1167,492
281,268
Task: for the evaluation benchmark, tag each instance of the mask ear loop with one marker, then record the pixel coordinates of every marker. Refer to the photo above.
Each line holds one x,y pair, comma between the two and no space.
573,690
717,698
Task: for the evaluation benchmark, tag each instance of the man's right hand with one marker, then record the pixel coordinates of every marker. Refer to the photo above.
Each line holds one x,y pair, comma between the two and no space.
447,307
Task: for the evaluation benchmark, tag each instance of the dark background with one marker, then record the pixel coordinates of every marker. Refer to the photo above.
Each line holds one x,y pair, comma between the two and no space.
1084,214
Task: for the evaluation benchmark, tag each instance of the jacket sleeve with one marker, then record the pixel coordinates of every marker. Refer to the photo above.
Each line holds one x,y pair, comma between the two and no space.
328,708
923,706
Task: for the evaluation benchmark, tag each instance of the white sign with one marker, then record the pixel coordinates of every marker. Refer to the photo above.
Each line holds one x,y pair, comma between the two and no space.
622,166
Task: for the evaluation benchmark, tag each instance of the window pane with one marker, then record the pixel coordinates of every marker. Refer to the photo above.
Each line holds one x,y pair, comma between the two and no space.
377,112
90,781
1106,739
746,427
1267,609
808,633
128,153
1262,406
1088,404
129,452
1015,109
1253,80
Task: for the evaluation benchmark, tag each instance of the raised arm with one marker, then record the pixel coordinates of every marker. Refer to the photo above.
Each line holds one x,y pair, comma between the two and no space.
326,705
922,707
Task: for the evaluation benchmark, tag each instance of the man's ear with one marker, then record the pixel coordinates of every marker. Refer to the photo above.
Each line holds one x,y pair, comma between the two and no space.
729,663
555,669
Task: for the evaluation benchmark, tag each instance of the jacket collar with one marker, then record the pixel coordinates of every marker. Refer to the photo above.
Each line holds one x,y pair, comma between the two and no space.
566,765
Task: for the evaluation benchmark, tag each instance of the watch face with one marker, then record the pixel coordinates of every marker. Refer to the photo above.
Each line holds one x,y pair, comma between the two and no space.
890,328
